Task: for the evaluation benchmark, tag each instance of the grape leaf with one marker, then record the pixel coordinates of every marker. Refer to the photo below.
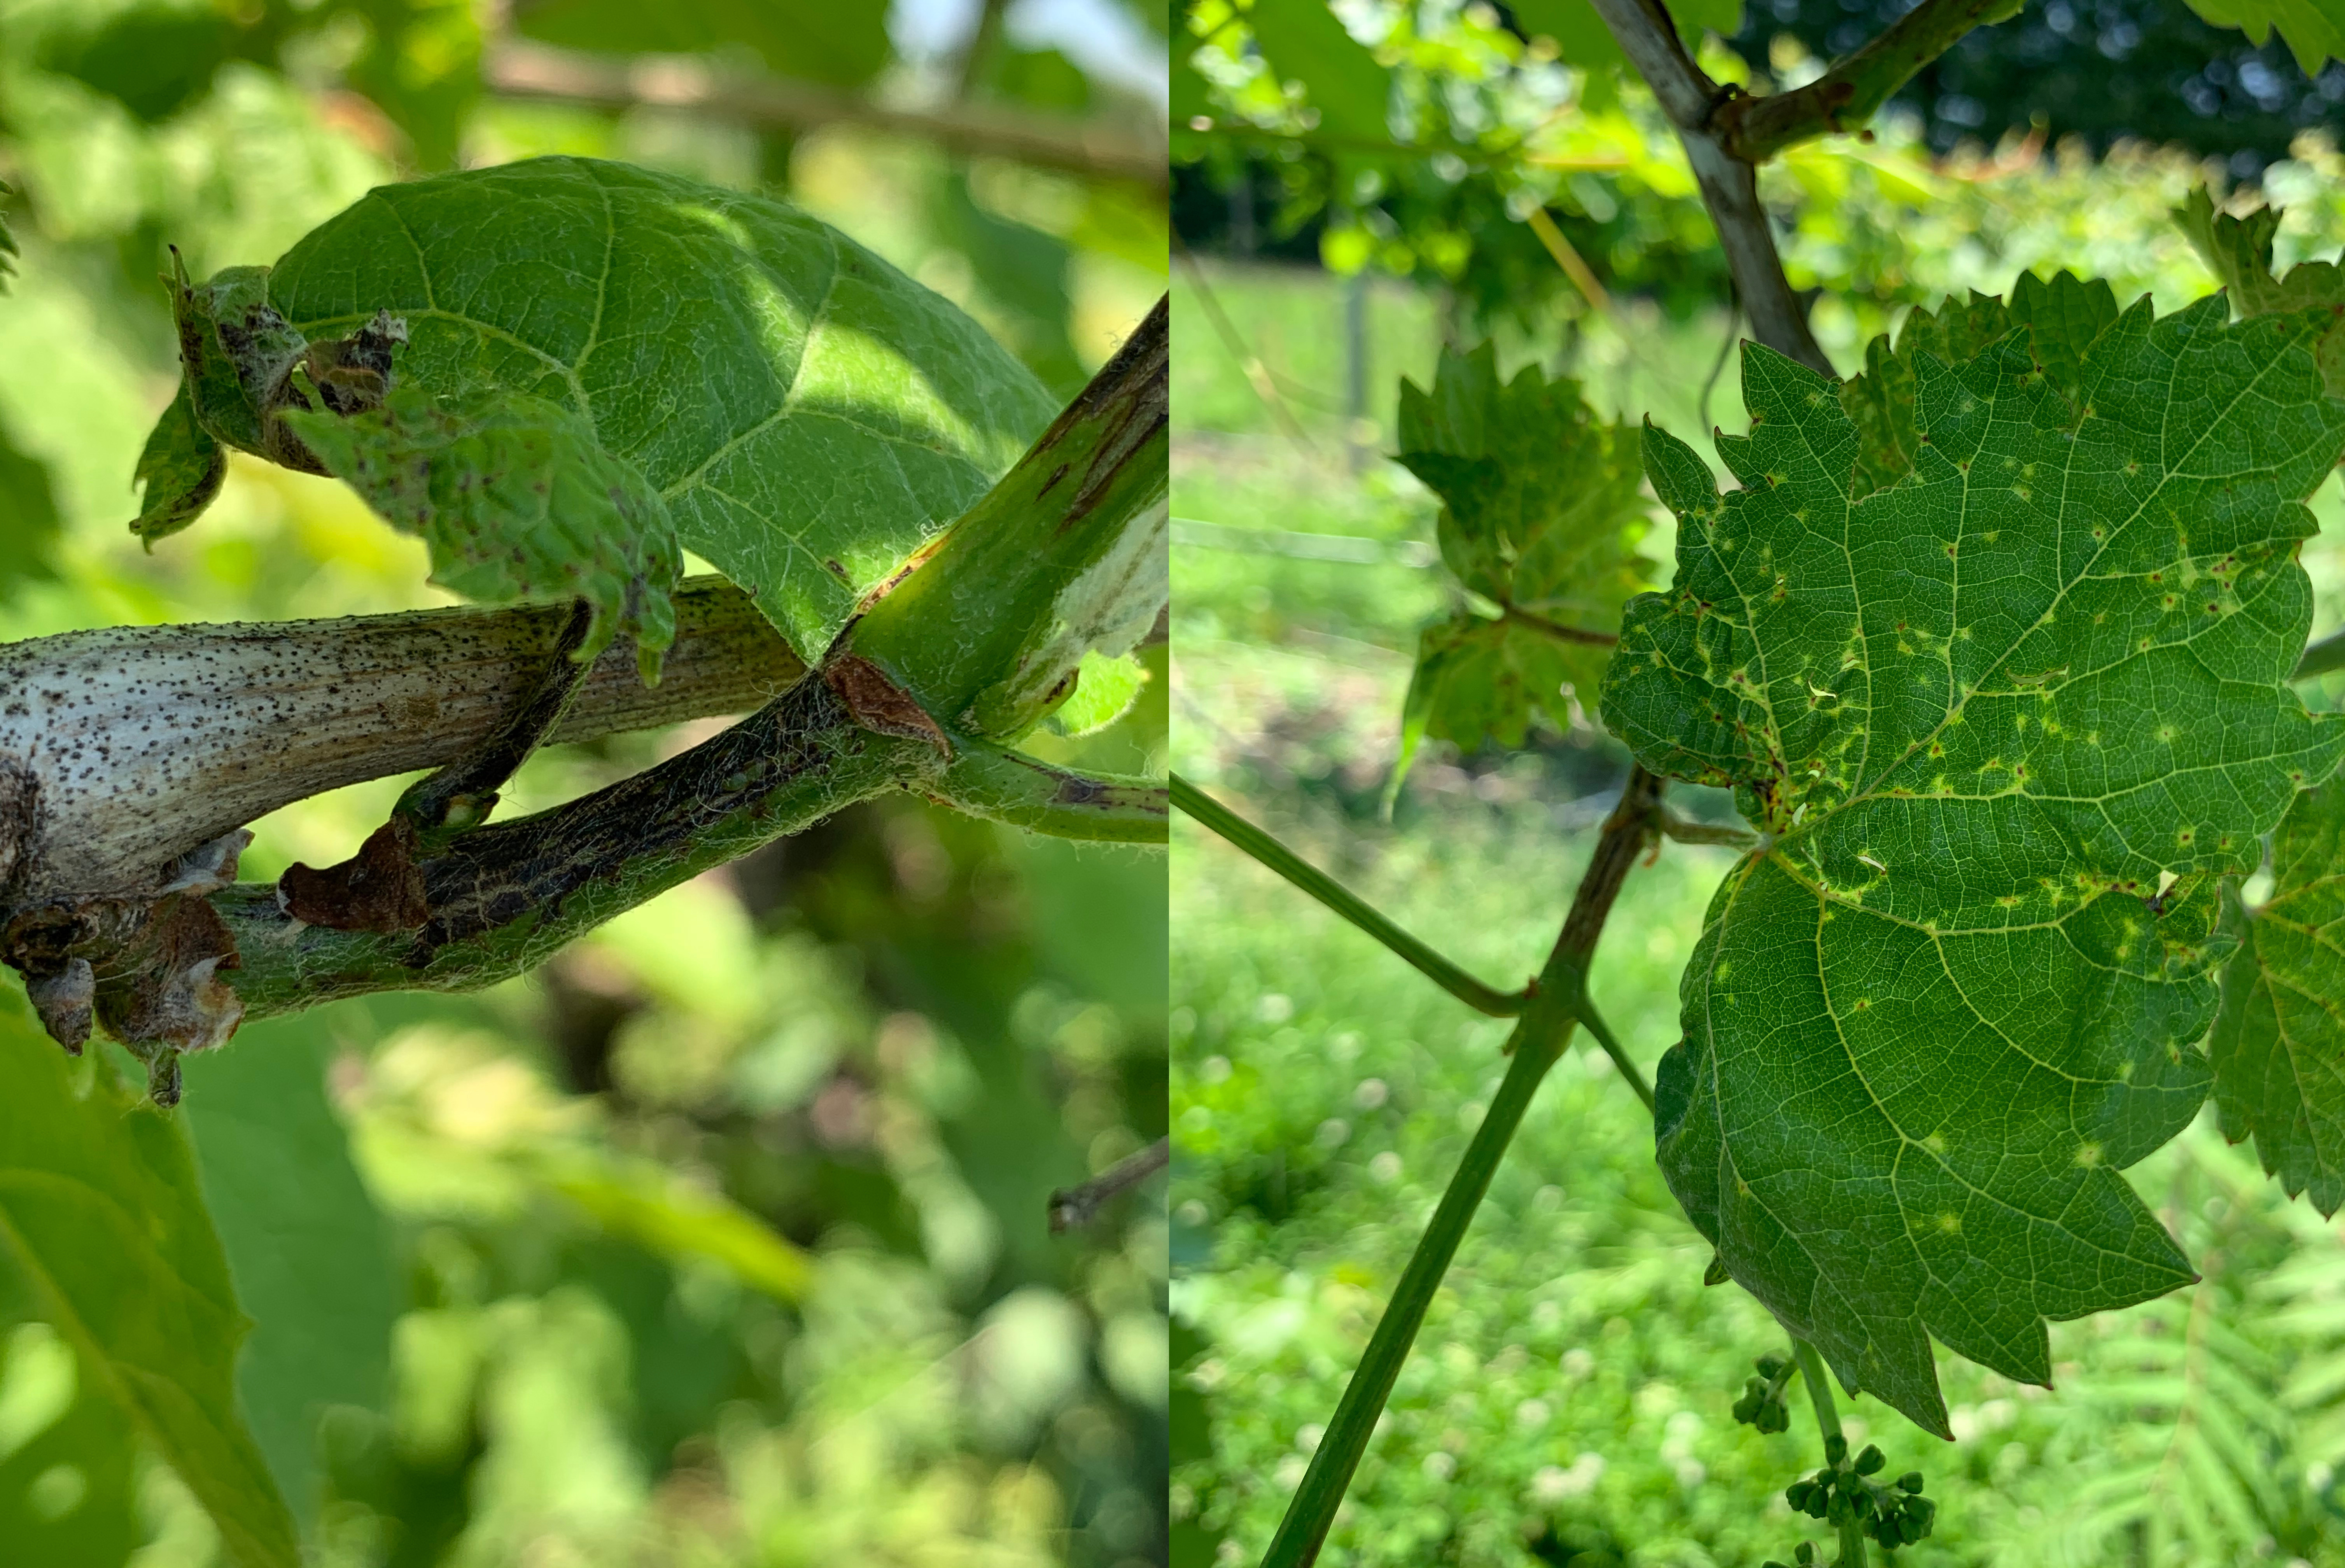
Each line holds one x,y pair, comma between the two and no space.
1540,516
1303,40
809,415
182,468
2062,318
516,500
2238,251
2001,724
309,1252
2278,1044
2315,29
100,1209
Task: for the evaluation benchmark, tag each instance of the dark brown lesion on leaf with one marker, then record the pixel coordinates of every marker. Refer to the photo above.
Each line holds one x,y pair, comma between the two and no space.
352,374
246,365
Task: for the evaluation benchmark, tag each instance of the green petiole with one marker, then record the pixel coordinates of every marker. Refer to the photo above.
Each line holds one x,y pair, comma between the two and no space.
1268,849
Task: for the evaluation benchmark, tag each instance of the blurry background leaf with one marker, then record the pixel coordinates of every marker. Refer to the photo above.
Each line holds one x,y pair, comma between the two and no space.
28,519
1302,41
421,66
309,1252
66,1491
99,1209
844,46
1022,269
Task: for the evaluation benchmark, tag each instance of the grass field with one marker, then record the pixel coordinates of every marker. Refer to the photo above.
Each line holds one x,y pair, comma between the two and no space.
1568,1400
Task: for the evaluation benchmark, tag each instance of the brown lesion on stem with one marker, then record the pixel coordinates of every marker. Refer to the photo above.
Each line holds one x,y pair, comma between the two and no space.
1853,88
379,888
879,704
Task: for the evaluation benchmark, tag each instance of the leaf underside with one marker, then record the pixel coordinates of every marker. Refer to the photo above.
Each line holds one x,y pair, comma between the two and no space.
2002,722
2278,1046
100,1208
1540,516
807,414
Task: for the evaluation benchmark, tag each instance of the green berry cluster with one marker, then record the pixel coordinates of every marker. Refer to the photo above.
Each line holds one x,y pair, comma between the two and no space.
1761,1404
1894,1514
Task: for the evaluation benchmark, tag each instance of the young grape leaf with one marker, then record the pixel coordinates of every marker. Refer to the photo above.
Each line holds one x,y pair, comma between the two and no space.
1540,518
2278,1044
100,1210
809,415
517,501
182,469
2061,318
2002,724
2238,251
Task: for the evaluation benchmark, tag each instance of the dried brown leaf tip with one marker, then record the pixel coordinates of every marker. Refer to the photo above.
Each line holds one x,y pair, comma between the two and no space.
879,704
381,887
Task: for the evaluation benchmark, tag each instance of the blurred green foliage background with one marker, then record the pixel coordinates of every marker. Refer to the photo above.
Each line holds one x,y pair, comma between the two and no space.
720,1240
1569,1400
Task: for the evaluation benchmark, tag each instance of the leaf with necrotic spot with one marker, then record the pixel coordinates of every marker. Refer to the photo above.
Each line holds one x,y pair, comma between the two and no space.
2002,723
2238,251
808,414
2061,320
